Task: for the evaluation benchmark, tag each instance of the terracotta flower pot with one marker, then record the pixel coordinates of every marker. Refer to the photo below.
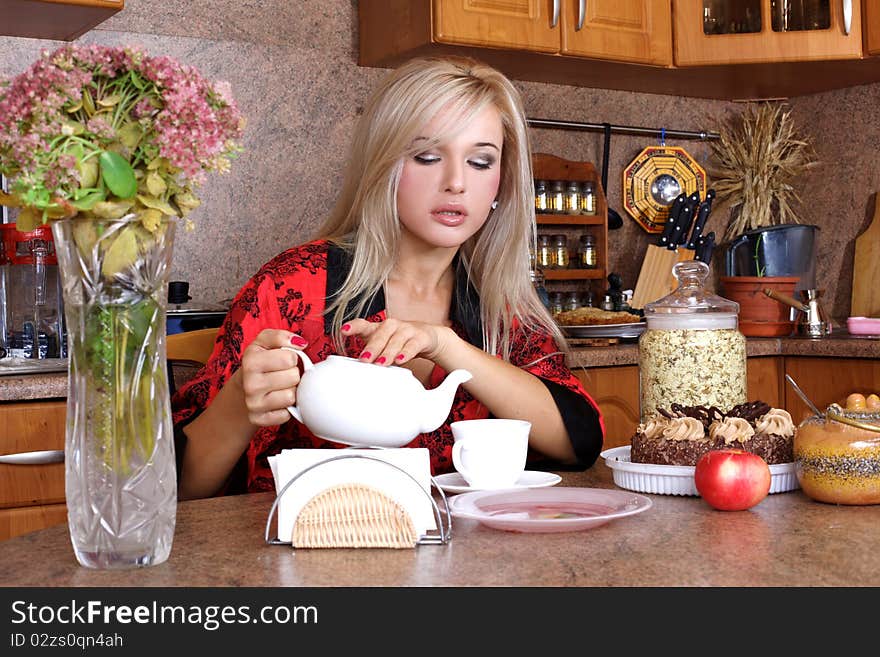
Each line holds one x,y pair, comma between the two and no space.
759,315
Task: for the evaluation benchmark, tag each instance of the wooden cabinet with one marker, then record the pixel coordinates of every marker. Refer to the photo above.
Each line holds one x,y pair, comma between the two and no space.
629,44
512,24
638,31
60,20
760,31
616,391
828,380
620,30
764,380
871,28
551,168
31,496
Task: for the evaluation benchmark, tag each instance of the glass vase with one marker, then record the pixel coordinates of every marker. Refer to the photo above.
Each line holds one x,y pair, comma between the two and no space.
120,474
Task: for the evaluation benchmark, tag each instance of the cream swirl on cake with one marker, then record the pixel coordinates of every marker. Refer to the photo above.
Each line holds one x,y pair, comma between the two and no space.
653,428
731,429
776,421
684,428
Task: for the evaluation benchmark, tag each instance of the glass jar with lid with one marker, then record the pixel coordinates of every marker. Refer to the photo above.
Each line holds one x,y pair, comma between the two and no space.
691,352
572,200
546,256
560,246
541,200
588,198
556,197
587,255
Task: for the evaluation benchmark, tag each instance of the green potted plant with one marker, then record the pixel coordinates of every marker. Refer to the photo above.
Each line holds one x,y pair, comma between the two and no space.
756,162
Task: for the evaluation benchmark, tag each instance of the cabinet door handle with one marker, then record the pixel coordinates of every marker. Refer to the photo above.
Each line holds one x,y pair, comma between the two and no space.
555,20
847,16
33,458
582,14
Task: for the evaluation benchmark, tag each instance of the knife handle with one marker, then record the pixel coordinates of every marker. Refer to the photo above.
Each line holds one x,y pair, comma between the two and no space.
700,223
671,220
680,228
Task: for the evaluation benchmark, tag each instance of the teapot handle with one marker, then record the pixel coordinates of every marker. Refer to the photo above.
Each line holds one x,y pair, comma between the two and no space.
307,365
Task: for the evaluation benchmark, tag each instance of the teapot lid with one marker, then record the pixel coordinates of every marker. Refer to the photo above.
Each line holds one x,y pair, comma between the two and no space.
690,305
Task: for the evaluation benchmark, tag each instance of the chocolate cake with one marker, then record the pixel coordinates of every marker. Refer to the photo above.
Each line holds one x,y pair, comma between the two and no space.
680,436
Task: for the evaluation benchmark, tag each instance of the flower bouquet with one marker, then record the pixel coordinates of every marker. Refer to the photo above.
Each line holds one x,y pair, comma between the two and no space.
108,144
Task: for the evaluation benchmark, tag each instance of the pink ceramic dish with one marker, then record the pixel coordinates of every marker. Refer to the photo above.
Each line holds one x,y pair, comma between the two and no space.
863,325
547,509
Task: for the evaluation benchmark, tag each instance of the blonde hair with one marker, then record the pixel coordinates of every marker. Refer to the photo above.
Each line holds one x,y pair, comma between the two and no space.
365,223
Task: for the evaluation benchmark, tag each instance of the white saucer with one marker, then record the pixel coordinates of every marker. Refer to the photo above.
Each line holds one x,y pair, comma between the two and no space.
453,482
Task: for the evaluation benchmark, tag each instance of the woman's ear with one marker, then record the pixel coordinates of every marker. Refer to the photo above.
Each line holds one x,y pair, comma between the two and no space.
495,204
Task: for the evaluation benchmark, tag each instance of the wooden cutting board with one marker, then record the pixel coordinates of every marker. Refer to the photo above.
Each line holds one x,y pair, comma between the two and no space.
866,269
655,277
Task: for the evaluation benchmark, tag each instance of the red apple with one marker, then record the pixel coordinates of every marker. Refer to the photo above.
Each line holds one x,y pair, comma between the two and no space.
732,479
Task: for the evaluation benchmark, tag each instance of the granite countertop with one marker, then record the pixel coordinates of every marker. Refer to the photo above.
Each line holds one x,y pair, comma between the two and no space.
54,385
786,540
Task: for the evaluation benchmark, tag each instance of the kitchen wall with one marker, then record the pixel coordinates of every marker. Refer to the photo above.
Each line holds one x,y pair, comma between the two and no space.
293,70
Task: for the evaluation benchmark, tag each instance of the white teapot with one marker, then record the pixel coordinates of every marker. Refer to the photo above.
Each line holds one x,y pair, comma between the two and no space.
348,401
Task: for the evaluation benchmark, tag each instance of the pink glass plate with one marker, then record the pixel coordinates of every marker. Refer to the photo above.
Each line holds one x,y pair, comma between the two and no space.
557,509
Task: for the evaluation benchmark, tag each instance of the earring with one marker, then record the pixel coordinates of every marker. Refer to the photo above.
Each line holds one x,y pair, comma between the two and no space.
494,204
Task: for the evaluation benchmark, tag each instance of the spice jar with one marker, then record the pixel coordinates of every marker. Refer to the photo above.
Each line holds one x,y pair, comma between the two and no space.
572,200
541,202
557,304
572,301
587,257
560,247
546,256
691,352
556,197
588,198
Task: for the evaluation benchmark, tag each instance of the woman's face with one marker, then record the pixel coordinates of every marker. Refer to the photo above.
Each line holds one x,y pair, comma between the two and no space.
445,193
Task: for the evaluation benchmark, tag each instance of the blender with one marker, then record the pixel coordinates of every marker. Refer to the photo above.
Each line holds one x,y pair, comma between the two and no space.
31,306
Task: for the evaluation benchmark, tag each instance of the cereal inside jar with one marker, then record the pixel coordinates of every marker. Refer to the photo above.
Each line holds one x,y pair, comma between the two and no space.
692,352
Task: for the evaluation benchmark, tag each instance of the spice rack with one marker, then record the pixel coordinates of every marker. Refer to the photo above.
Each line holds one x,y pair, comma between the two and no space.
551,167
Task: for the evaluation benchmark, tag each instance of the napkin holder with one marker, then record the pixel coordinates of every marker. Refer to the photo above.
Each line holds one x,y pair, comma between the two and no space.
357,515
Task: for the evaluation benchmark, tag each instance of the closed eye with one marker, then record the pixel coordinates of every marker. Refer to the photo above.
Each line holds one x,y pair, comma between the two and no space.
481,163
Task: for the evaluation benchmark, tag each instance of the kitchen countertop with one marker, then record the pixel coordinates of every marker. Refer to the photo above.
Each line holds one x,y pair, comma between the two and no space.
786,540
842,345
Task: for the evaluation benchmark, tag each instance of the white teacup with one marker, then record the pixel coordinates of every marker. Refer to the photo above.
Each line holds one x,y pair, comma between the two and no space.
490,453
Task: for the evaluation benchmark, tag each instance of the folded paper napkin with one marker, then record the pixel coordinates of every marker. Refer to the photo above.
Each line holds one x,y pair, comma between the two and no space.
414,496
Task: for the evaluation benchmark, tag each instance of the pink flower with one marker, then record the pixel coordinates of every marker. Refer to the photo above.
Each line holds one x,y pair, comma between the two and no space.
72,103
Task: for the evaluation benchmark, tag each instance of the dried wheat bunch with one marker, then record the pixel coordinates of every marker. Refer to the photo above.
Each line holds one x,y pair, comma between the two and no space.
757,158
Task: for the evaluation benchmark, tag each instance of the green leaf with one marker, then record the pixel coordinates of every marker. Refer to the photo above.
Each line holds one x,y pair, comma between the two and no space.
118,174
88,201
130,134
121,255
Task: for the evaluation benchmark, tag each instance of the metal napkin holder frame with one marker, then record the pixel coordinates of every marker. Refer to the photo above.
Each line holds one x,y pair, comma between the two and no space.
441,536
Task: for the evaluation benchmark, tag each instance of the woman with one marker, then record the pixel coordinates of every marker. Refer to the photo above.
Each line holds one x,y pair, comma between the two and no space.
422,264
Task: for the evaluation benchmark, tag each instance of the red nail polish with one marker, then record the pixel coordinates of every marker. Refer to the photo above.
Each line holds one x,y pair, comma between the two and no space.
346,327
380,360
400,357
366,354
297,341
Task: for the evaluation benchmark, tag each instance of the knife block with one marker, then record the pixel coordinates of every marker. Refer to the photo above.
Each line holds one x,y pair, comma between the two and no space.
655,277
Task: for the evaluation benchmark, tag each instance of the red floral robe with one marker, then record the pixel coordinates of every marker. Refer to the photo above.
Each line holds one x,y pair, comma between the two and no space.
290,291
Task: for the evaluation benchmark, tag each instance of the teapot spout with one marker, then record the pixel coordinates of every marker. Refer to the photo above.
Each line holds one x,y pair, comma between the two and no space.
439,400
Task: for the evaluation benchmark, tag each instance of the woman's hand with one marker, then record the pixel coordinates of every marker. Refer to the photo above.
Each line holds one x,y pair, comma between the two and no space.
269,376
395,341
